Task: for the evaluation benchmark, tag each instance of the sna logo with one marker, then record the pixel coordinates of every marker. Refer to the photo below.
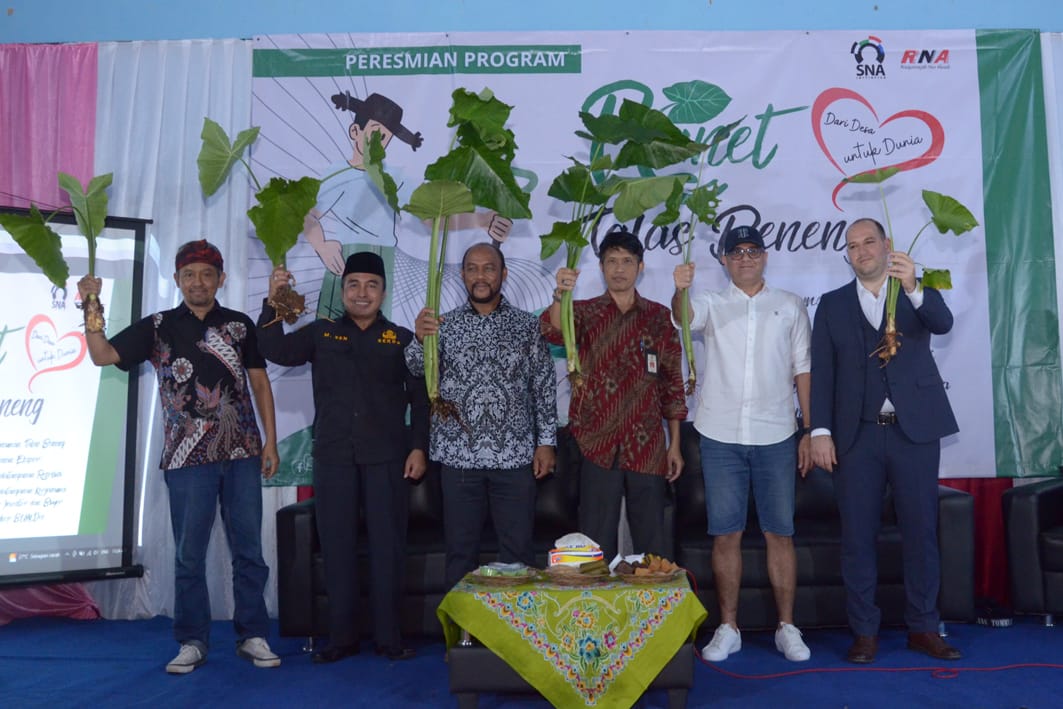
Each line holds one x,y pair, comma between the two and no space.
869,55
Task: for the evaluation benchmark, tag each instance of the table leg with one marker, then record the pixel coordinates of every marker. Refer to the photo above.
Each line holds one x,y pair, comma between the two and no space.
467,700
677,699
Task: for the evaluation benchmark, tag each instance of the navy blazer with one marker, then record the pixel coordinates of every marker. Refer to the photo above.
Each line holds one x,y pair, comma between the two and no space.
840,361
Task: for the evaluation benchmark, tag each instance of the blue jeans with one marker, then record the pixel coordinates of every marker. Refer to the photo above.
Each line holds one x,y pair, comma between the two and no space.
730,469
194,495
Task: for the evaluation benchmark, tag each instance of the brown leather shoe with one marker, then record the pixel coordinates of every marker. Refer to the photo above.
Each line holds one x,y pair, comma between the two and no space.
863,650
932,644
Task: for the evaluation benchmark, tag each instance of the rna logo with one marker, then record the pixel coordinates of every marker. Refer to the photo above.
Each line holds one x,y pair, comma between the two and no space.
925,59
869,55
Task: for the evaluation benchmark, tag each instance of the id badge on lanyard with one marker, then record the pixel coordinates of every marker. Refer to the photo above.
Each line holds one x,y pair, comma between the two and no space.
649,355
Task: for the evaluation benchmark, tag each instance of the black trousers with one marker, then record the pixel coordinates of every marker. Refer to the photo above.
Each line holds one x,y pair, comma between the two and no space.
340,491
601,491
467,496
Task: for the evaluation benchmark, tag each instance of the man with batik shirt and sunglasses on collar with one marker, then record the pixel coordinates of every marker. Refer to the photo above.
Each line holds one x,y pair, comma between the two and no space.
208,366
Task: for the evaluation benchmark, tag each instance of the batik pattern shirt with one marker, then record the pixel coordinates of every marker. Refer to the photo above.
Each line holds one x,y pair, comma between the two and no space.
203,385
632,382
497,370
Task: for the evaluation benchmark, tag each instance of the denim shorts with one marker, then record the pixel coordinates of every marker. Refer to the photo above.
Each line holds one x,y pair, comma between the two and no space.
730,469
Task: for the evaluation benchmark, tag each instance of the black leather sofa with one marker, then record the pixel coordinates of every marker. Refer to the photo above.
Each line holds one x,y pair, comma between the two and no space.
302,601
1033,527
820,595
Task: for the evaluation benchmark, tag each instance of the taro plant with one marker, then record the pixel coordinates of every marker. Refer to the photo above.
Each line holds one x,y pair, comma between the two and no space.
281,207
647,140
948,215
701,201
44,246
476,172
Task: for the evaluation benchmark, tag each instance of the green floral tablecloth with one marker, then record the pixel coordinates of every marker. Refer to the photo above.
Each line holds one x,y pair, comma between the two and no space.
597,646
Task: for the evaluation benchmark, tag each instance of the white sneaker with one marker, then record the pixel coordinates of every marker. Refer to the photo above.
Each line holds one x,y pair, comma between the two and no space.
189,658
788,641
257,650
725,641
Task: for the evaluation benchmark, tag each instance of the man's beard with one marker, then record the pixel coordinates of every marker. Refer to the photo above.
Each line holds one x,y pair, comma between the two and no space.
492,294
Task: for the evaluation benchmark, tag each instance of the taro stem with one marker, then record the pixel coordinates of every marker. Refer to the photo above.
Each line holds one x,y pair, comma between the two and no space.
431,342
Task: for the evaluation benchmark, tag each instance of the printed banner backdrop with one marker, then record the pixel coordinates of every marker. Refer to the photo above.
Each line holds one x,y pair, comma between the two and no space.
813,108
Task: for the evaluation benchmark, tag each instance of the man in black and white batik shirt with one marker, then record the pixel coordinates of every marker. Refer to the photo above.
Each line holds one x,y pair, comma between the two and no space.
496,371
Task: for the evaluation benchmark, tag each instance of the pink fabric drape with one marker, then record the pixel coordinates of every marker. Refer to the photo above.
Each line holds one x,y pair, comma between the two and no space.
47,120
47,125
67,599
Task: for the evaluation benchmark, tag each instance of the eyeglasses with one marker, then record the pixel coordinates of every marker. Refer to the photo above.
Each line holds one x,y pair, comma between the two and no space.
739,254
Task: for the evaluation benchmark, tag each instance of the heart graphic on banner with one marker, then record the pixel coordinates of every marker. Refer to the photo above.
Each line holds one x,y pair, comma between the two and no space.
48,351
870,145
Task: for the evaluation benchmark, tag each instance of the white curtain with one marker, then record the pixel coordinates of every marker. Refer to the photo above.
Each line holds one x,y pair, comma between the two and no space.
152,98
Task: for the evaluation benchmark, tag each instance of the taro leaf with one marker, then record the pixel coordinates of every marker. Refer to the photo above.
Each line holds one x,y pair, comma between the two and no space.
938,278
602,162
654,141
488,178
278,217
40,243
374,168
670,213
612,184
703,202
441,198
637,195
576,185
634,122
561,233
873,176
657,154
696,101
217,156
483,114
948,214
90,206
722,133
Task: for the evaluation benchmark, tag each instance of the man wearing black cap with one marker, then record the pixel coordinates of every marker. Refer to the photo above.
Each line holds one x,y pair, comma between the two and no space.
208,366
757,353
363,453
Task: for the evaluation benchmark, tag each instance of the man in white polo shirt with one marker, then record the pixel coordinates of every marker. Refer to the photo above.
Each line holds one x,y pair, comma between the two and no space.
757,342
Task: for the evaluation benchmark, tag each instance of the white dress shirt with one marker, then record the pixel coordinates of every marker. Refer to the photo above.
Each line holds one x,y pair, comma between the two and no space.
755,346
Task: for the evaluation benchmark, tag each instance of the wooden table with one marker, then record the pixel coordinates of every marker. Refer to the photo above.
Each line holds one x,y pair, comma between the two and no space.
602,645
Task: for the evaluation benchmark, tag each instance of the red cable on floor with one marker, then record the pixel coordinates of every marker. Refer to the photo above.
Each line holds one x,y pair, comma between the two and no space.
935,672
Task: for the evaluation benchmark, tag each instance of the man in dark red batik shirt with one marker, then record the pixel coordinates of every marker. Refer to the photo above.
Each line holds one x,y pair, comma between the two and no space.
632,379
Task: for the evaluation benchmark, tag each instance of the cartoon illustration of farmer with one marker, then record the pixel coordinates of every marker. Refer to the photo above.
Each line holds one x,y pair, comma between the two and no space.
352,215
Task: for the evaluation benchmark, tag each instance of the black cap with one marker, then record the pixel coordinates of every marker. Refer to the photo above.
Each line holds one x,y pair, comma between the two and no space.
381,109
365,262
741,235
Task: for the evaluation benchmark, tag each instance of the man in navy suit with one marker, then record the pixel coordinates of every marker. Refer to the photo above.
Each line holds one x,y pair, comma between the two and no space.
875,423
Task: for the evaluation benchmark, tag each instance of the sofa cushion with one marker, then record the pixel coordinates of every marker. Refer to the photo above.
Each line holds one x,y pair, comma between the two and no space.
1052,549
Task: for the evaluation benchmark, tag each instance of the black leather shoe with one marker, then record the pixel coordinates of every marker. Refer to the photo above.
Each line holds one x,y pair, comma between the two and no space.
396,653
932,644
863,650
332,653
